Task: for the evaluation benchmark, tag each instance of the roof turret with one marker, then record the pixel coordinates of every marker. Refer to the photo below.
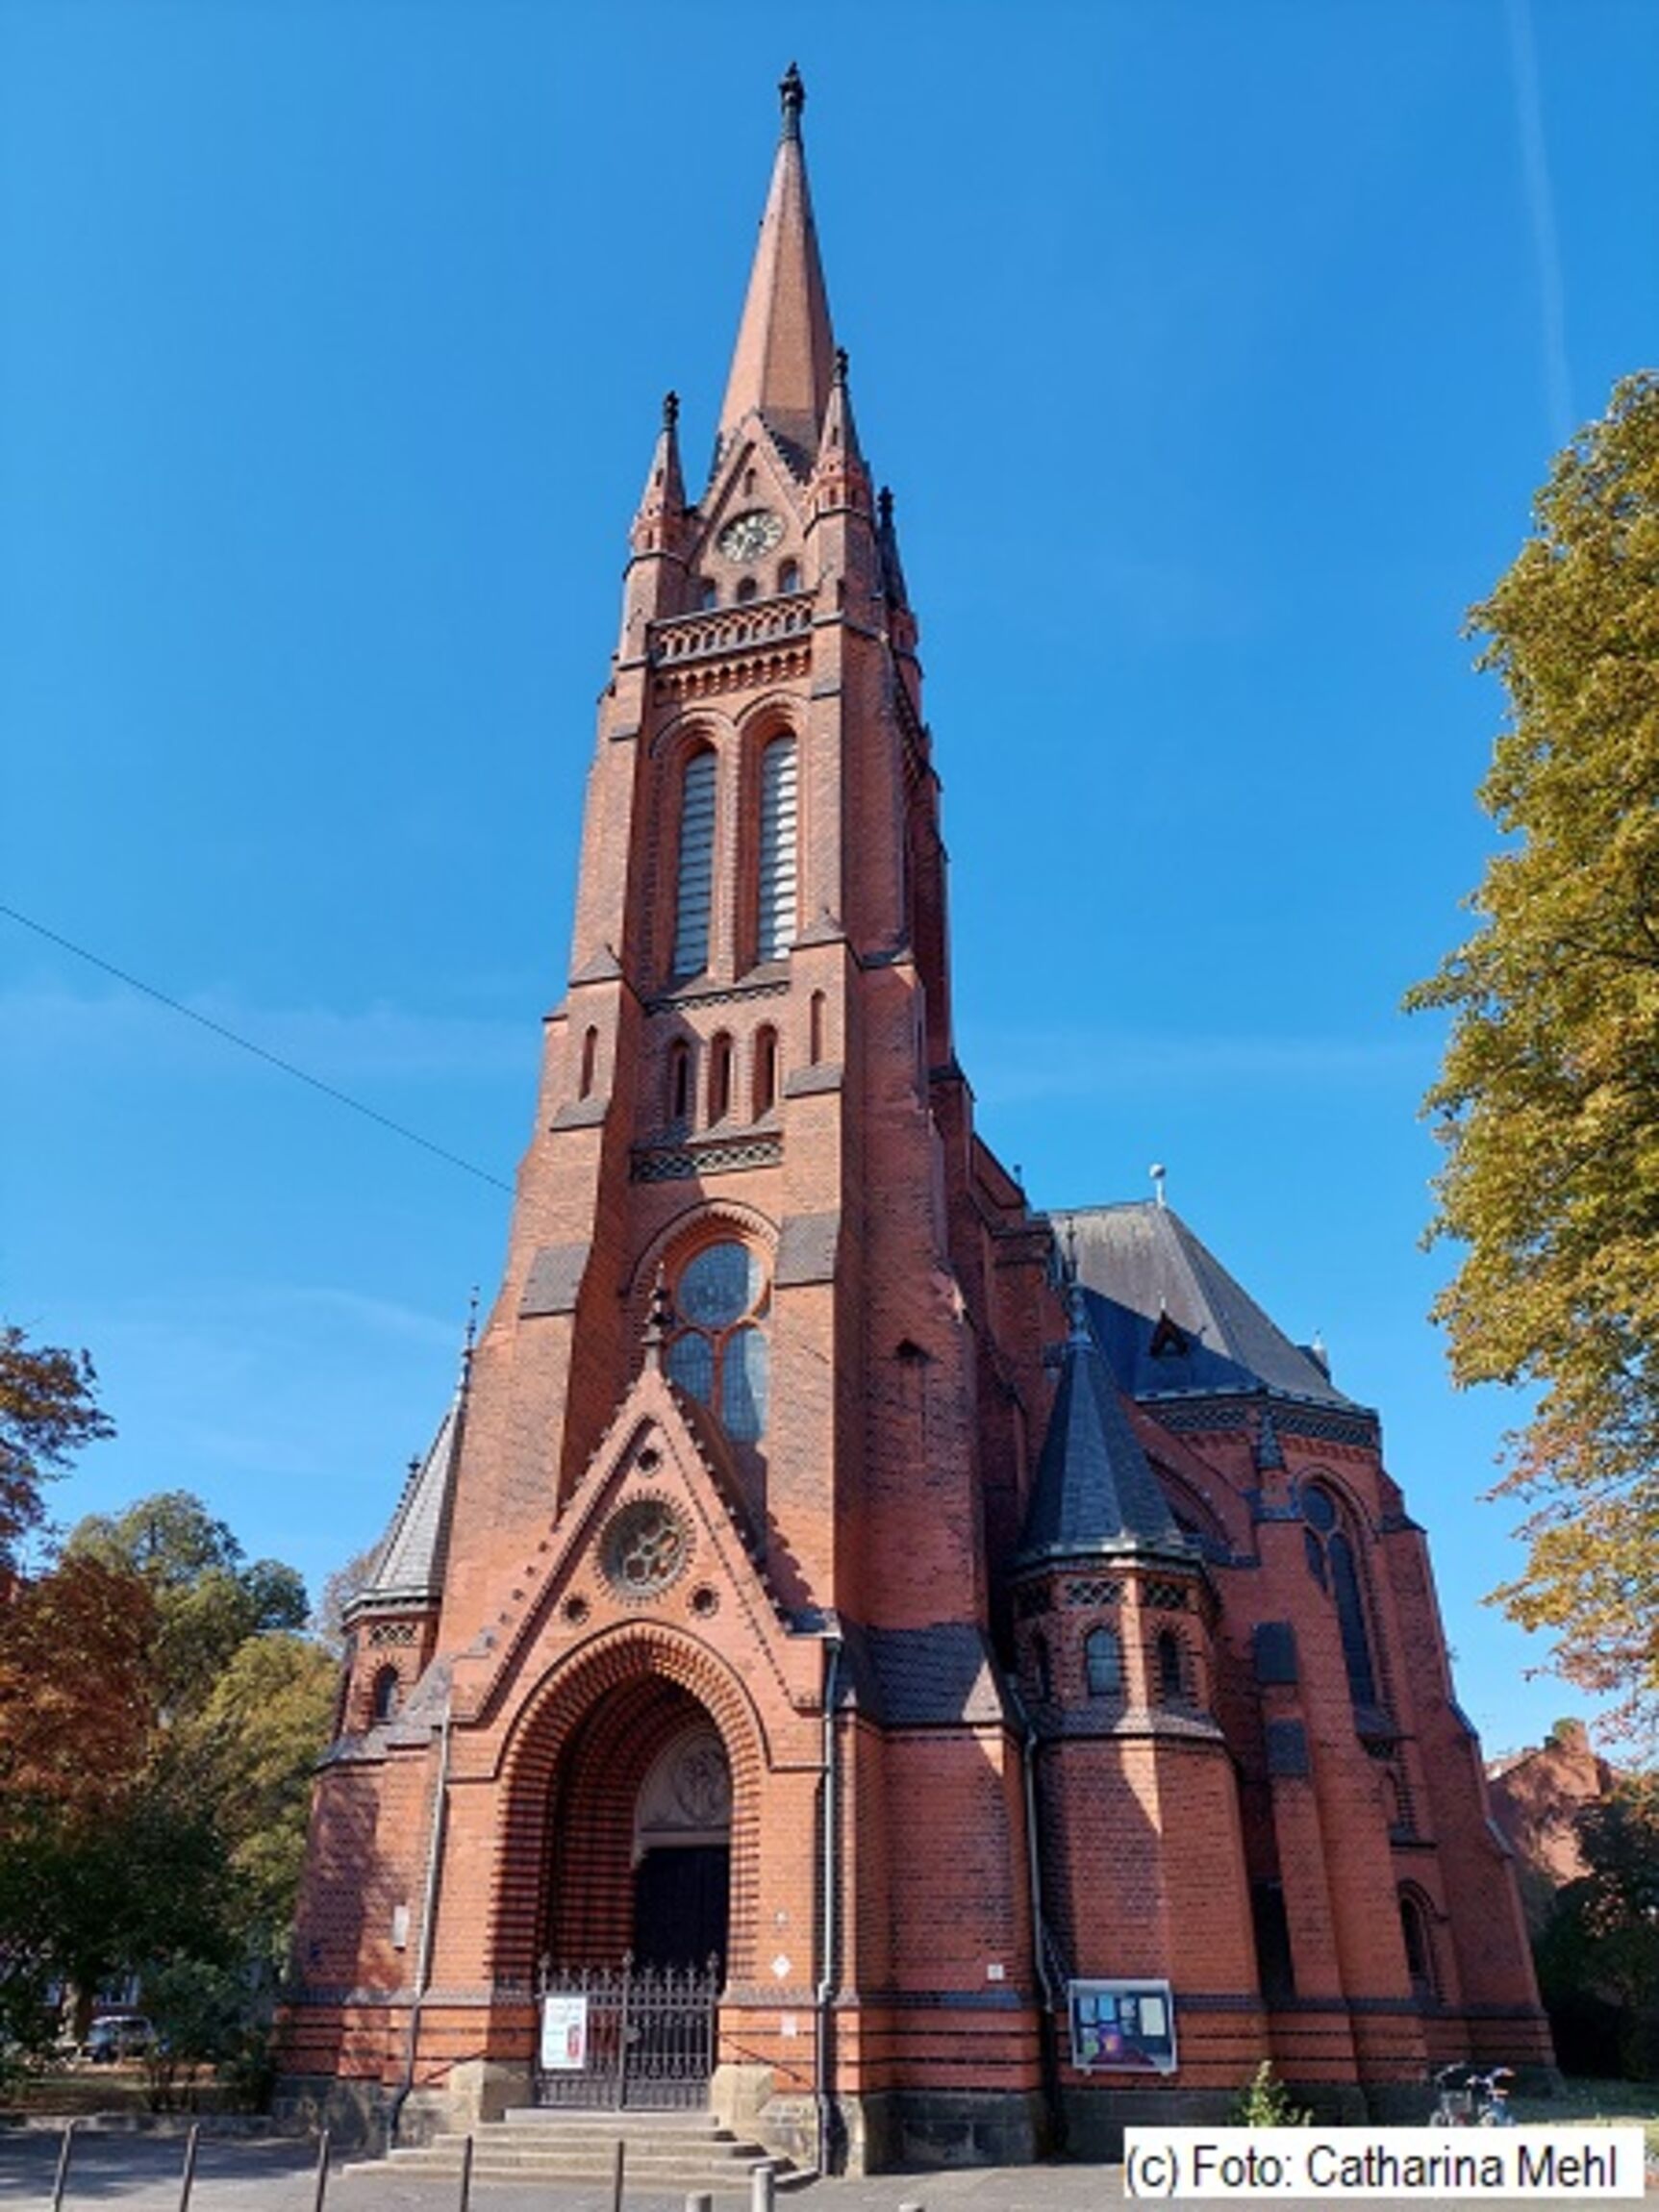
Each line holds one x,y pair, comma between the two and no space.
1095,1492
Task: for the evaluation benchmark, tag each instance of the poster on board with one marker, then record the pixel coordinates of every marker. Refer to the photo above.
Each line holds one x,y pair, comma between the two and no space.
1124,2027
564,2034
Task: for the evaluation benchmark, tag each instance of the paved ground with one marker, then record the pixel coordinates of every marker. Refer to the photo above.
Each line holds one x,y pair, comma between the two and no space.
141,2173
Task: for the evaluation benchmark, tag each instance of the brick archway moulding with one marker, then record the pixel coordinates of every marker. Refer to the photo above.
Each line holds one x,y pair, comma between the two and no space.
617,1658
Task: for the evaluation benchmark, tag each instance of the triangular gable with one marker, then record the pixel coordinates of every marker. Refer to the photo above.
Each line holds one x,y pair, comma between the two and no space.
651,1533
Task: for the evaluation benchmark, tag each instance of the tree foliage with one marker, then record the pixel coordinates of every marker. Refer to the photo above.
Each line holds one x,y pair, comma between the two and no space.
1600,1945
48,1409
159,1717
207,1601
1548,1096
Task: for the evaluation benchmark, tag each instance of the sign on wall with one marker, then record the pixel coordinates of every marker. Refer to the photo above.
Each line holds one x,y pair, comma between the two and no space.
1125,2025
564,2034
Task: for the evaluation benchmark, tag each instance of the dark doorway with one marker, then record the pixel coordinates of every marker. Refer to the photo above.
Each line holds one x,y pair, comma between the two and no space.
681,1898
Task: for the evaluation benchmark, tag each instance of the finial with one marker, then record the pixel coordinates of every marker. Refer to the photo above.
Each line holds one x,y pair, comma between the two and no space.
793,95
471,1320
884,506
841,366
414,1465
659,1320
1157,1174
671,410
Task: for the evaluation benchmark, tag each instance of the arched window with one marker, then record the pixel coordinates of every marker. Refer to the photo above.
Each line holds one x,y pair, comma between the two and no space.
776,929
679,1097
1041,1673
719,1077
694,879
1332,1557
788,576
816,1027
383,1697
1414,1929
1103,1663
766,1079
746,589
590,1060
718,1352
707,593
1171,1671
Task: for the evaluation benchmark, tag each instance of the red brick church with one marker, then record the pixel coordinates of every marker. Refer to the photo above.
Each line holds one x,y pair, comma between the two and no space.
916,1674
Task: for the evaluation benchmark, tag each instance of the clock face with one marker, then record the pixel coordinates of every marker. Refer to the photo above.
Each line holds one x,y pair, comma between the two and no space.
748,536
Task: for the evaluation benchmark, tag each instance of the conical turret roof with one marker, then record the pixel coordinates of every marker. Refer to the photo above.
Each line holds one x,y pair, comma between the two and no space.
1095,1492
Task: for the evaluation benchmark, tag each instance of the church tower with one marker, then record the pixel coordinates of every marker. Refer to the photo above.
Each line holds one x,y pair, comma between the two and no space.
715,1497
818,1671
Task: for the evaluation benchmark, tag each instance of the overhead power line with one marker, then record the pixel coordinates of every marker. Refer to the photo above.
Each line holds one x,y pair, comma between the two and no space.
259,1052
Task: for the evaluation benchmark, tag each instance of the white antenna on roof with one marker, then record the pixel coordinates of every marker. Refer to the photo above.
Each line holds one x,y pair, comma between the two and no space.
1158,1172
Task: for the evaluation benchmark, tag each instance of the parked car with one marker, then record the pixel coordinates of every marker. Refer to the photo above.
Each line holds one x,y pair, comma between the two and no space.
118,2035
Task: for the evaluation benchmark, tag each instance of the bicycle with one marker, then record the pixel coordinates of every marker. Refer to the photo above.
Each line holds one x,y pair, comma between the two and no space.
1470,2100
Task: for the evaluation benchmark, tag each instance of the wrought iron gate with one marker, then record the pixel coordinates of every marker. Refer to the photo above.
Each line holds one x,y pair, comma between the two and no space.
630,2036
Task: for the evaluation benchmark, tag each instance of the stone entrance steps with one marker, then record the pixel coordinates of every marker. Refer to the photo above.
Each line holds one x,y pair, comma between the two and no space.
668,2150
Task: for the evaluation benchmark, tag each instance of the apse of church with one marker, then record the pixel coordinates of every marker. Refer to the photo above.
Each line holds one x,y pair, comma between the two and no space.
964,1665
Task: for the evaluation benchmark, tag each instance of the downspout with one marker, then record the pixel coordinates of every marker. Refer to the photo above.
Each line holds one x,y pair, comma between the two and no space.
428,1916
1045,2034
829,1878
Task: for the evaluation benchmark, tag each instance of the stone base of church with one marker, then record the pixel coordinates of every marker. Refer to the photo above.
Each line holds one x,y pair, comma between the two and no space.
895,2127
355,2113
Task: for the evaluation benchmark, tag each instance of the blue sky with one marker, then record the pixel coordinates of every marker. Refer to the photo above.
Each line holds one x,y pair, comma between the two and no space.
1214,354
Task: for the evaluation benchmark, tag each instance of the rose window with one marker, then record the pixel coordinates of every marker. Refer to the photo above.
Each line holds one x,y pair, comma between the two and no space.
646,1548
718,1351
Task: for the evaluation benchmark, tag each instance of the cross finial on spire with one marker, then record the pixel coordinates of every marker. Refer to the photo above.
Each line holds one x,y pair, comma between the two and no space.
793,95
840,364
671,410
884,515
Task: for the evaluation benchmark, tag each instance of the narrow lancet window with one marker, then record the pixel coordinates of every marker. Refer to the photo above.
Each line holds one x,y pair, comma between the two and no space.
777,855
720,1077
694,885
766,1084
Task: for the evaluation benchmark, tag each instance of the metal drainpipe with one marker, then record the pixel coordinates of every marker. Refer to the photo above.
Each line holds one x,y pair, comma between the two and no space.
830,1876
1039,1946
428,1910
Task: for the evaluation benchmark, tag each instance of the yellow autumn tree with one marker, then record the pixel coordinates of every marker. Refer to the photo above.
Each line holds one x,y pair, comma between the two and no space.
1547,1101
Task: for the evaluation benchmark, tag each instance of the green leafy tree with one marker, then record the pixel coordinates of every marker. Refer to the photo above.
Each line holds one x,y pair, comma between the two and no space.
1600,1944
209,1600
48,1409
249,1752
1548,1096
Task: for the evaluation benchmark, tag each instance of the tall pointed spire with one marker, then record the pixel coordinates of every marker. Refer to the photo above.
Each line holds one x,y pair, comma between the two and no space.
783,360
662,502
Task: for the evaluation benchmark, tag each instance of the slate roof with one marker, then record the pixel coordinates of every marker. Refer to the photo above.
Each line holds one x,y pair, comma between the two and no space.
916,1677
1142,1267
408,1566
1094,1491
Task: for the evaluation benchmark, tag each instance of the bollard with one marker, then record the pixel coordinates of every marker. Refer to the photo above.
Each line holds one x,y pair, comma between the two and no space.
912,2204
322,2171
467,2174
762,2184
64,2155
699,2200
617,2175
189,2176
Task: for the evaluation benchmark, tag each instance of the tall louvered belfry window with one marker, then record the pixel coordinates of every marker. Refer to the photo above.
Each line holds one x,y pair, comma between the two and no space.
777,873
693,887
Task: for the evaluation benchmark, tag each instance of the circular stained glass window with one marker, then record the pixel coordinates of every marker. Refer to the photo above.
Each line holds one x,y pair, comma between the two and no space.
645,1549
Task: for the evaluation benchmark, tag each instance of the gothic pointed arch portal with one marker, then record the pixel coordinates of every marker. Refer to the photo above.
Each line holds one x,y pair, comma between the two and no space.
639,1833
